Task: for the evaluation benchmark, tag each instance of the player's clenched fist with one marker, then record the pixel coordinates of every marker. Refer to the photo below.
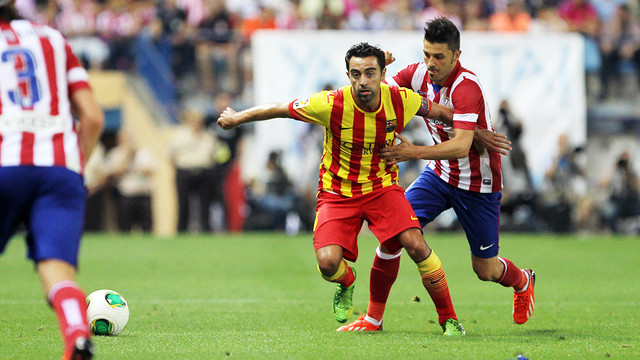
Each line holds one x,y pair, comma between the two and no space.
227,119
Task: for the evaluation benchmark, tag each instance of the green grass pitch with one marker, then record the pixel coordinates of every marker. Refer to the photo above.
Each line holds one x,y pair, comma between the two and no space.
259,296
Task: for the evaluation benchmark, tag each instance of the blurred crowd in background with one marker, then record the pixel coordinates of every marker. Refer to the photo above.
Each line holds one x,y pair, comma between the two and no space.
206,44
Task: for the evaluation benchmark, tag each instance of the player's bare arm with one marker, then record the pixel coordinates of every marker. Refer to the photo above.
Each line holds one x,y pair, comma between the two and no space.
230,118
482,139
456,148
91,120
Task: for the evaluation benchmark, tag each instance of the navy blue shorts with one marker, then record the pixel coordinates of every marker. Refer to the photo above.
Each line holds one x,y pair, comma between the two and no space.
478,213
50,202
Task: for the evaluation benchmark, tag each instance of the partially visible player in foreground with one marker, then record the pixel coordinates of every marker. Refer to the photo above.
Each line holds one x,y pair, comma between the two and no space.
42,154
355,183
470,183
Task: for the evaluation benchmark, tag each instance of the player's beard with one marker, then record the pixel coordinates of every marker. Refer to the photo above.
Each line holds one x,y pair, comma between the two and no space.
366,98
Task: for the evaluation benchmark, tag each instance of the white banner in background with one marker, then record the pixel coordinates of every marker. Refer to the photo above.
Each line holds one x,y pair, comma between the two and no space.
541,75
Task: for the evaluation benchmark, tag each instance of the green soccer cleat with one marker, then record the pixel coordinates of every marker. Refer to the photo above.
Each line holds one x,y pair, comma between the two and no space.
453,327
342,304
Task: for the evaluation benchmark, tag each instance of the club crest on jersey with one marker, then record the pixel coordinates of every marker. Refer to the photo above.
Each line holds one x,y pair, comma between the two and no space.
300,103
391,125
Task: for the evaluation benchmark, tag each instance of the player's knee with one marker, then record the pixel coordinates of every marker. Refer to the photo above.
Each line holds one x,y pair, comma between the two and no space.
414,245
327,264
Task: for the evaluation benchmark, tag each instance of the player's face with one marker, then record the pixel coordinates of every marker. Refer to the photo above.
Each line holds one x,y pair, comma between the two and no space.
365,77
440,61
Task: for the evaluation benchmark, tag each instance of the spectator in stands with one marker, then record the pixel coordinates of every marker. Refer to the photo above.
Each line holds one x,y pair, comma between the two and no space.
619,41
366,17
623,202
77,21
475,15
119,23
217,49
581,17
192,150
131,169
514,18
548,20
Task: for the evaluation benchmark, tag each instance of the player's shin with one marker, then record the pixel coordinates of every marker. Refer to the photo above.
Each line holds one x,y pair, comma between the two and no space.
435,281
69,304
384,272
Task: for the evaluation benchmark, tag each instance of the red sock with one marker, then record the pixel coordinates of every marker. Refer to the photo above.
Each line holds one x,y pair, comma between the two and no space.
69,304
384,272
348,279
512,275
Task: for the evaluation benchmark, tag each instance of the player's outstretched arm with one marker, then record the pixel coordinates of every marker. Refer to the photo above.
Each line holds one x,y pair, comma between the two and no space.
230,118
482,139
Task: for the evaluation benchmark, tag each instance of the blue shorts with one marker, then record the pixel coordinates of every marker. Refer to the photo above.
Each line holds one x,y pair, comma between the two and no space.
50,203
478,213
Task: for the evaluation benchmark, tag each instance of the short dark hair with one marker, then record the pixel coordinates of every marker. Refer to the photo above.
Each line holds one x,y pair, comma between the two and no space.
363,50
442,31
8,10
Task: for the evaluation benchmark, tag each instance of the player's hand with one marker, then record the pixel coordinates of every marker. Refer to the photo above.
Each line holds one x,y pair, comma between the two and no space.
492,141
388,58
399,152
227,119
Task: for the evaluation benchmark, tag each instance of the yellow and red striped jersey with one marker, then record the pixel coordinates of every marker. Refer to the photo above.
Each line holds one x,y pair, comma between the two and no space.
350,163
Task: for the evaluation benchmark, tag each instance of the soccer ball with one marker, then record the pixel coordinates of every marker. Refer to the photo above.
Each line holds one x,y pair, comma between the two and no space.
107,312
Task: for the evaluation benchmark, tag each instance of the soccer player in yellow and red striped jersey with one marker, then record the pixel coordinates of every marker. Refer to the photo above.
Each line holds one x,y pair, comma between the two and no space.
355,183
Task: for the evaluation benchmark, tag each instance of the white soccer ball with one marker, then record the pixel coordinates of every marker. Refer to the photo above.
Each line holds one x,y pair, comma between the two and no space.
107,312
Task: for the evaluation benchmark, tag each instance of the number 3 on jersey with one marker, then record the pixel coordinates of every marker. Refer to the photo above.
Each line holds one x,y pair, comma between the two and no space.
28,91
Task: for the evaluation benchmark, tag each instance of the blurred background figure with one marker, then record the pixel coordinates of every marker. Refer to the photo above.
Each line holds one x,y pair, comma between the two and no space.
96,177
192,150
566,204
131,169
518,208
271,199
620,46
623,202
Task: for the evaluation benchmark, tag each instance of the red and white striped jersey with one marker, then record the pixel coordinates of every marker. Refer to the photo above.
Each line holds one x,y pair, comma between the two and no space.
479,171
38,73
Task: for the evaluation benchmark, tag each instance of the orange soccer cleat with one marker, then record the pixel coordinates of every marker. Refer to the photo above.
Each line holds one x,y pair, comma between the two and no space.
524,300
360,325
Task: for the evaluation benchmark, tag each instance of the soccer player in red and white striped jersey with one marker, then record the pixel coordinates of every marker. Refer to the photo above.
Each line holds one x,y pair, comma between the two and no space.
42,153
459,175
355,183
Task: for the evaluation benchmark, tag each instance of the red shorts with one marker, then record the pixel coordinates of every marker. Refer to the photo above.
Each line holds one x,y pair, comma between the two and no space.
339,219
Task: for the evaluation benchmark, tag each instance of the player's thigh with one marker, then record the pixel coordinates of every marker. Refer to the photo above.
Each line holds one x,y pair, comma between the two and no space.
428,196
338,222
15,195
56,218
479,215
389,214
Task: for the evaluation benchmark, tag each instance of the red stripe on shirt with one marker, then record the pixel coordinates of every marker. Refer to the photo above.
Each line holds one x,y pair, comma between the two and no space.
47,51
26,149
335,122
381,137
58,150
355,162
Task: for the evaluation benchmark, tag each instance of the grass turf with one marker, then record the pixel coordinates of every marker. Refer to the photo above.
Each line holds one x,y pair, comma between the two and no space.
259,296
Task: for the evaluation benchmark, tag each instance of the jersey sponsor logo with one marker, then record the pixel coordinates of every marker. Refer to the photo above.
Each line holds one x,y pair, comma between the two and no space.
365,148
31,122
437,122
483,248
391,125
300,103
486,181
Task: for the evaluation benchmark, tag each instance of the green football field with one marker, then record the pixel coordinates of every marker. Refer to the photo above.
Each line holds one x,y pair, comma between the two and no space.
259,296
